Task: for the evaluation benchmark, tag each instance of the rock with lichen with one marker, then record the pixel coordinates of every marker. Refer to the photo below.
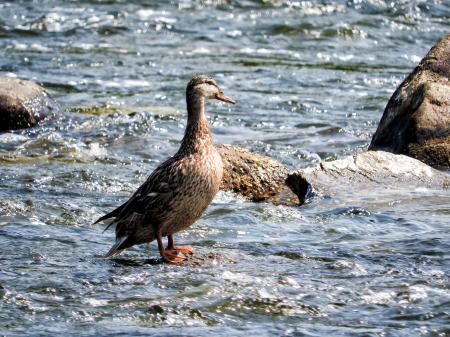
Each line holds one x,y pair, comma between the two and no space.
23,104
416,120
257,177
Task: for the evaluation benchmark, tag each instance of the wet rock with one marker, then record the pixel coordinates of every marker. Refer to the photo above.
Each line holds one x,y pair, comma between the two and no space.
416,120
205,258
200,257
257,177
2,291
23,104
434,152
370,170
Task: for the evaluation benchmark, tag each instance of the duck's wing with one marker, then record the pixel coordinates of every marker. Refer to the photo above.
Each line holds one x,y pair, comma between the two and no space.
150,206
152,201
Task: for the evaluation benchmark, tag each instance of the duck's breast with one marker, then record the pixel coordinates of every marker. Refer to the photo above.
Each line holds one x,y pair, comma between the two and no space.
202,175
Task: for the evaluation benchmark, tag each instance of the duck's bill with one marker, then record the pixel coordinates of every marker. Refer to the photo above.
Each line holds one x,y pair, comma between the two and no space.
225,99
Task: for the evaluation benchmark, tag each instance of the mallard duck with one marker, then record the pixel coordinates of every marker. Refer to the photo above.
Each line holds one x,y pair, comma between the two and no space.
180,189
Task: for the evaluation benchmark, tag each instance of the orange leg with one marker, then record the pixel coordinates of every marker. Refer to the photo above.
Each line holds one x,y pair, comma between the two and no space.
168,255
181,249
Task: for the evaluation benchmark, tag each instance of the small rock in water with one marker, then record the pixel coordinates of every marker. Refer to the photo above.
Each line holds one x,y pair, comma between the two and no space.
23,104
256,177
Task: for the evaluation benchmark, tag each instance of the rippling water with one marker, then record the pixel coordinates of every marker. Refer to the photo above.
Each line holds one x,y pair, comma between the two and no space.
312,79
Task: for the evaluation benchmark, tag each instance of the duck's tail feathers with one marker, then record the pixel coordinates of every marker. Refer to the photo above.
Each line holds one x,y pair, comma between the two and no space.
117,248
111,214
103,217
109,225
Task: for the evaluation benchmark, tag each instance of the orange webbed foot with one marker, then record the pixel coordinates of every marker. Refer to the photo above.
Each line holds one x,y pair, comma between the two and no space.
185,249
173,256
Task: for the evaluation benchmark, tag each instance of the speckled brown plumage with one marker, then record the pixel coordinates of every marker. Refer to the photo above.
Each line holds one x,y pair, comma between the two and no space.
179,190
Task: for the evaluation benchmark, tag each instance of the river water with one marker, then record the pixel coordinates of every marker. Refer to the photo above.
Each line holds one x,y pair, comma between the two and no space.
311,79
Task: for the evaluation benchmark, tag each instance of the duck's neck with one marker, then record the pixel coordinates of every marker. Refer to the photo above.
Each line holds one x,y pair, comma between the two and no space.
197,136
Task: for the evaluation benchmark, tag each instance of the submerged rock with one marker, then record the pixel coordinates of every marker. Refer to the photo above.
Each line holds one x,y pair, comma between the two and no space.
2,292
416,120
369,170
256,177
200,257
23,104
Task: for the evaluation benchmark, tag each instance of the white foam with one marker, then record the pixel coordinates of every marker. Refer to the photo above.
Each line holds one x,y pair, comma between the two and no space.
144,14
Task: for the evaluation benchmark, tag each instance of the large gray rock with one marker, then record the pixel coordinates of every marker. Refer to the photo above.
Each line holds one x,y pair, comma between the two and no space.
23,104
416,120
367,172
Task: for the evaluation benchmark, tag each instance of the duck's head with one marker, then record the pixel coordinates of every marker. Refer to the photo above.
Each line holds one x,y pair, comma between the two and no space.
205,86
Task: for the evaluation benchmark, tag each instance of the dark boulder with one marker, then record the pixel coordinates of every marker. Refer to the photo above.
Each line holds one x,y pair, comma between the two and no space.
416,120
23,104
